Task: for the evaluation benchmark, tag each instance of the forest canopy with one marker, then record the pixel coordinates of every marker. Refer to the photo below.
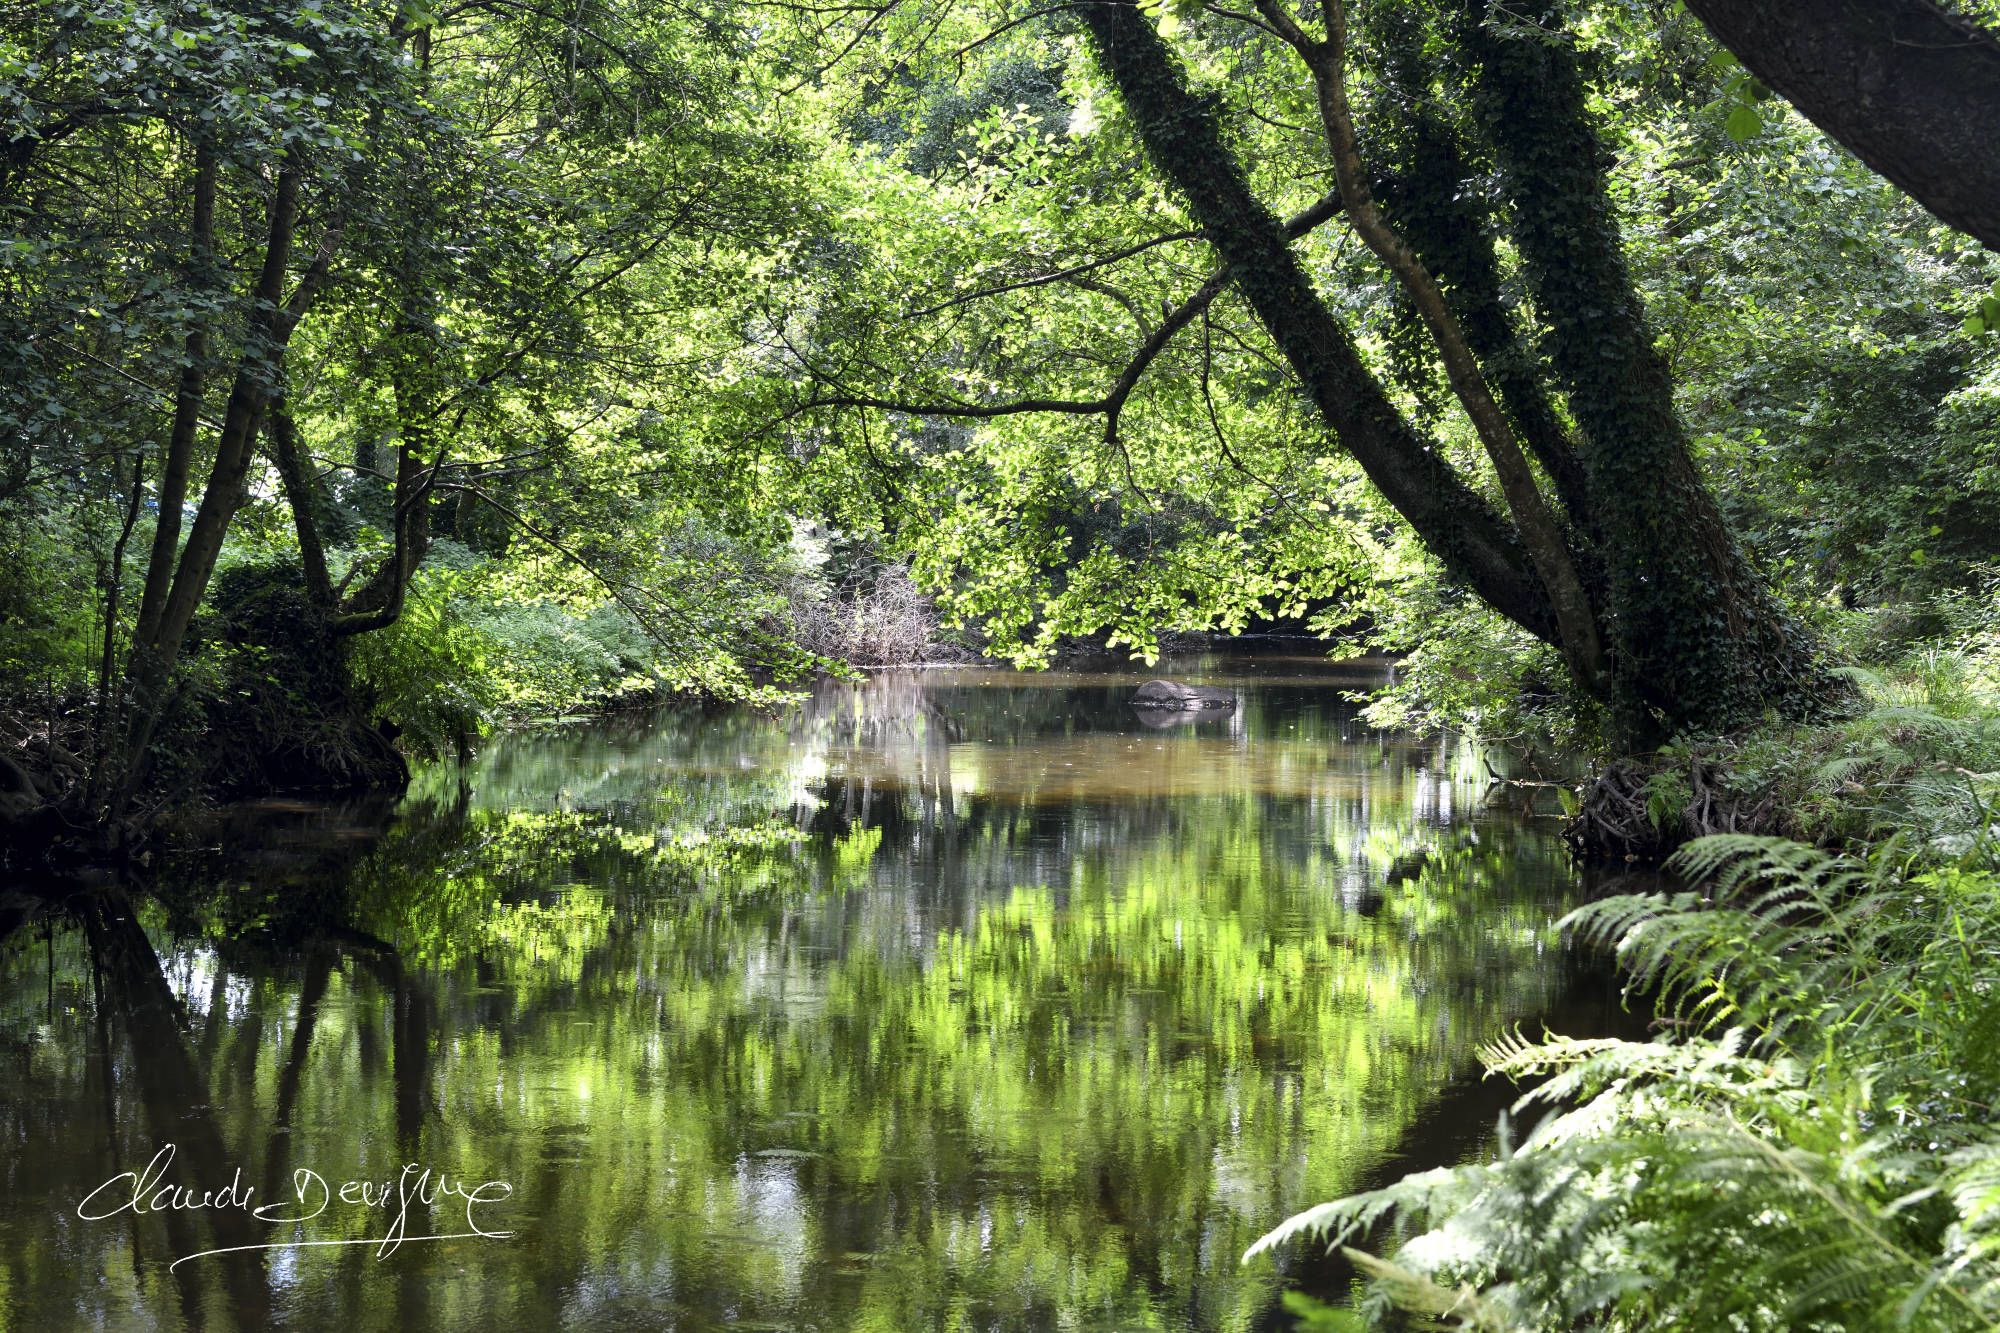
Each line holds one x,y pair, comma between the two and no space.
376,376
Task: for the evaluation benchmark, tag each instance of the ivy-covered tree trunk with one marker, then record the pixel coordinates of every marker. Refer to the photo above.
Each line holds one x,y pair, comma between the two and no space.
1694,640
1702,641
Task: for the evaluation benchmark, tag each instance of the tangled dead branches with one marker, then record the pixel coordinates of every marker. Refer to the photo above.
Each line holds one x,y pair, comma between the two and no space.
885,620
1635,811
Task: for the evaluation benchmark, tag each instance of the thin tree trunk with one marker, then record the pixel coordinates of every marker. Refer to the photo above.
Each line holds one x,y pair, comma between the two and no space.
1542,535
187,409
102,728
301,494
261,364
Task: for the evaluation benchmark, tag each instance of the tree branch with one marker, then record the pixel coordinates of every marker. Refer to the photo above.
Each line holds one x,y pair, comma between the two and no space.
1047,278
1910,89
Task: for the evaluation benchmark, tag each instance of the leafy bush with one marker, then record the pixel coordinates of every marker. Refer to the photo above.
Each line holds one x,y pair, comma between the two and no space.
1467,669
49,629
429,671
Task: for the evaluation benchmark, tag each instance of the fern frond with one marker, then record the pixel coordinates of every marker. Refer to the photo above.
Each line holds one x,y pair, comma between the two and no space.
1816,1151
1343,1218
1413,1291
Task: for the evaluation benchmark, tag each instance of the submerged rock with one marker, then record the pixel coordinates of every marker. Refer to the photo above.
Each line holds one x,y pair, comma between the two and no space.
1407,867
1173,694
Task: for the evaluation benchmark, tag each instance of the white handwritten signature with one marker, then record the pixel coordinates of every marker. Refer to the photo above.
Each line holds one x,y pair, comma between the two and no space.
311,1195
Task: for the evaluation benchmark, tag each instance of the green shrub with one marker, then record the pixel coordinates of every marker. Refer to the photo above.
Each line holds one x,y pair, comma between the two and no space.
50,600
431,672
1465,668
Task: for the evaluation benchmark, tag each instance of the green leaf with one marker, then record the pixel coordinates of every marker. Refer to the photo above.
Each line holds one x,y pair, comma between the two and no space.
1318,1317
1743,124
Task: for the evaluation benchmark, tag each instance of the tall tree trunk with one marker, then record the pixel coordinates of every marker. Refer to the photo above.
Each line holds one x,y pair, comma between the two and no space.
1701,643
187,408
102,726
225,491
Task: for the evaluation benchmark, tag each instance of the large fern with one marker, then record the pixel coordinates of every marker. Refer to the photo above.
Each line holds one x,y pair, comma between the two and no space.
1812,1146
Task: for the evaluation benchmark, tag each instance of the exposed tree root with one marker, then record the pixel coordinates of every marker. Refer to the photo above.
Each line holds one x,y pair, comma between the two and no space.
1641,811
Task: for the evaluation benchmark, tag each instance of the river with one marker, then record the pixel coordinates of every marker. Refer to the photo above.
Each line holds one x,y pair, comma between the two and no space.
953,999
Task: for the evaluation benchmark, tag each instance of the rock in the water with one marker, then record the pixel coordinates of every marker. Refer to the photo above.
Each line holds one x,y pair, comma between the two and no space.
1408,867
1173,694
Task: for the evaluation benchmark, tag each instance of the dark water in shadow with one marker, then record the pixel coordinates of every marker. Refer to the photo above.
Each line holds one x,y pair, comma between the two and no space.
954,1000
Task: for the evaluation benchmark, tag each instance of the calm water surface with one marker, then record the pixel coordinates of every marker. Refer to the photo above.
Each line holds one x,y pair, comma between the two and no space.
953,1000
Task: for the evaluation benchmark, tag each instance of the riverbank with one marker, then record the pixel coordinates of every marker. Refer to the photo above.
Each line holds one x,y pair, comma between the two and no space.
1824,1093
1917,758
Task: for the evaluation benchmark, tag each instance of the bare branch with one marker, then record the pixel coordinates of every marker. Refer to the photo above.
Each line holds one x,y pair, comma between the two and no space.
1047,278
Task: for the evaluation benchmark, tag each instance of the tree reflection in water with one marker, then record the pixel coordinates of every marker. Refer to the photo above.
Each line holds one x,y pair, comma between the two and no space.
954,999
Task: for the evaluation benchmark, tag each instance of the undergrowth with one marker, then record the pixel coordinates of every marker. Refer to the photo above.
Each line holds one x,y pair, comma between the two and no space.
1812,1146
1919,758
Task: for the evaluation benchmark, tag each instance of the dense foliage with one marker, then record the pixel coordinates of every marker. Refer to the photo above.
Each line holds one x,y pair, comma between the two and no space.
538,347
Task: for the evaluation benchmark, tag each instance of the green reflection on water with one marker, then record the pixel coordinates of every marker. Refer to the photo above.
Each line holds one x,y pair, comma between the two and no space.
954,1000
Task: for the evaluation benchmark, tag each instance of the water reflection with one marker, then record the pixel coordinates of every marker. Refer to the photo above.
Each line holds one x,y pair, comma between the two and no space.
955,999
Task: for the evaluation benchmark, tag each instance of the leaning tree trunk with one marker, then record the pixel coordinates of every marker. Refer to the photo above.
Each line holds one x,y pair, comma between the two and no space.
1695,641
1910,88
1701,642
1181,134
378,603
